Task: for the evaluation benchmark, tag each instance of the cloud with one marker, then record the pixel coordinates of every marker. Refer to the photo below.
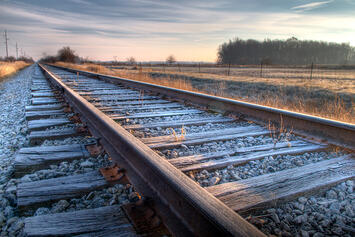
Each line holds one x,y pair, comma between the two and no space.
151,30
311,6
81,2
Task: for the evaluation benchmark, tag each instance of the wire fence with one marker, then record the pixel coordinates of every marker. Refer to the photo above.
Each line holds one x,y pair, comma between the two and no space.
310,72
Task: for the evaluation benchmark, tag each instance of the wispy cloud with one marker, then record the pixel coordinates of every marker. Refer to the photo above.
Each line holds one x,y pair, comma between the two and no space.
153,29
311,6
81,2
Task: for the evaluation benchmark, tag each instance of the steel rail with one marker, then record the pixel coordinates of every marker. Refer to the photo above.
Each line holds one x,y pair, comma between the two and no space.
186,208
327,130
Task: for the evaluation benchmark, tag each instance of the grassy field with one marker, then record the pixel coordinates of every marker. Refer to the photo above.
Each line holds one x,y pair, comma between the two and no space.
341,81
330,93
7,69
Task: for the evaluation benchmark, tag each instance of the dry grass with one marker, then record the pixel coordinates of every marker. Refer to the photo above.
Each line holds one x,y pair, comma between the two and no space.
341,81
86,67
8,69
138,75
321,98
329,98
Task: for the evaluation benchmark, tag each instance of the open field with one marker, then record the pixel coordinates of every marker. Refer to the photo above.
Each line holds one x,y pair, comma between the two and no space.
254,71
330,94
7,69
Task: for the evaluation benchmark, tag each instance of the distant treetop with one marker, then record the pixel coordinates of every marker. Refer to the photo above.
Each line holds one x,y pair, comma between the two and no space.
131,60
66,54
170,59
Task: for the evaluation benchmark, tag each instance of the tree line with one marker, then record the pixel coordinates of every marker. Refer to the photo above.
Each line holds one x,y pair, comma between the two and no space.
13,59
65,54
290,51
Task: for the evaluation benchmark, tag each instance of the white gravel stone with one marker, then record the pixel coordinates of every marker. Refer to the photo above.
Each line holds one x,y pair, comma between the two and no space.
86,164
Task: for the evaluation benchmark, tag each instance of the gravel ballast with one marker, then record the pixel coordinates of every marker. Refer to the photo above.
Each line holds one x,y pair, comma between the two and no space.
13,136
328,214
14,96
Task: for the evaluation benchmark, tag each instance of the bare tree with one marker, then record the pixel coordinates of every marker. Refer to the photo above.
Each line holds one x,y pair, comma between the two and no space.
170,59
115,59
66,54
131,60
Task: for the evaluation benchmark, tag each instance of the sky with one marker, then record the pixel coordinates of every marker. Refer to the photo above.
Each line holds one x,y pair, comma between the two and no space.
151,30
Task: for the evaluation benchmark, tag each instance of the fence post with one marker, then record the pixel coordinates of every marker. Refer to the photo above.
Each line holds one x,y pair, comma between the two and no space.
229,68
311,70
261,69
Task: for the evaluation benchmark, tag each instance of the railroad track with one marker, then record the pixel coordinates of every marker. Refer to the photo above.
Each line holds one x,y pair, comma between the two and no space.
197,160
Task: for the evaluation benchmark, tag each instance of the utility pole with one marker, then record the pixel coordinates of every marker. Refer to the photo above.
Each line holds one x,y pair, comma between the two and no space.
16,51
6,39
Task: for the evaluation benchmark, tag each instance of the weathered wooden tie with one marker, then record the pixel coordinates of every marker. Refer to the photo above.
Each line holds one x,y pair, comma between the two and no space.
40,84
31,115
44,107
199,135
42,94
242,159
271,189
35,158
104,221
166,145
155,114
179,123
193,159
121,98
109,92
35,125
37,137
44,191
44,100
119,108
89,89
41,89
134,102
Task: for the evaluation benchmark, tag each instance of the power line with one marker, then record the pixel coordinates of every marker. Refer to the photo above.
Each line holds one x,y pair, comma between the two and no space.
16,51
6,39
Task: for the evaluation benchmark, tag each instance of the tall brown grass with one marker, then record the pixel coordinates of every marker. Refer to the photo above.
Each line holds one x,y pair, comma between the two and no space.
332,109
8,69
86,67
323,106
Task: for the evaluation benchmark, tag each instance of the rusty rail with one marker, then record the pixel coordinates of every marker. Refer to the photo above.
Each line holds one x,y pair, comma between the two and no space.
185,208
331,131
